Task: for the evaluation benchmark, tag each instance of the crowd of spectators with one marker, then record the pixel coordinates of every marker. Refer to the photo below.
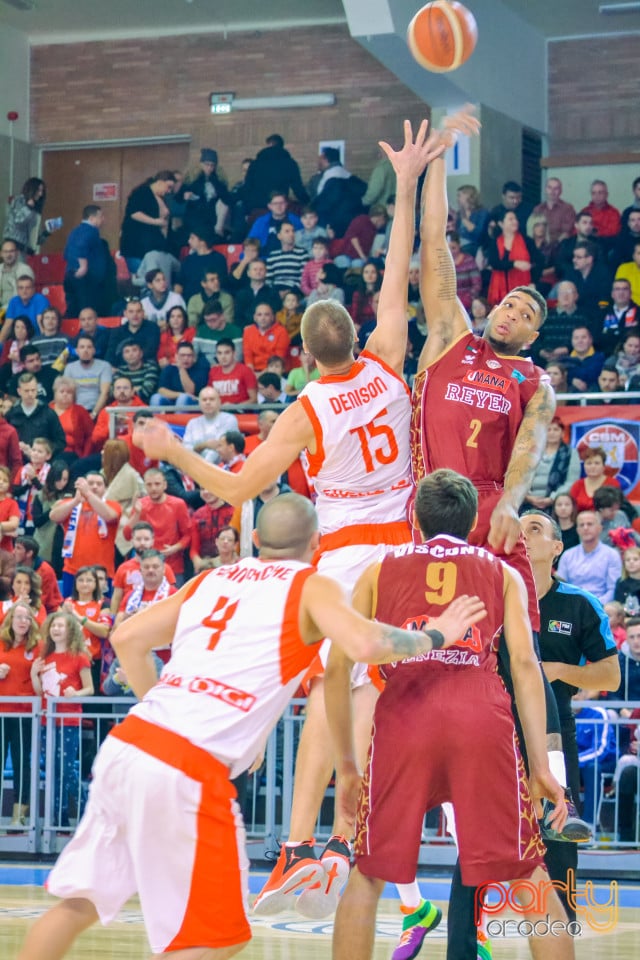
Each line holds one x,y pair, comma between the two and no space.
79,502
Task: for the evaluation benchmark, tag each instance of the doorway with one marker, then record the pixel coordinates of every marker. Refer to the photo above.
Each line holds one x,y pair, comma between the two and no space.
102,175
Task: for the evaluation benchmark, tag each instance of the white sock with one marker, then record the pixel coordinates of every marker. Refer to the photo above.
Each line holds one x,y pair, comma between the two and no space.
557,766
409,895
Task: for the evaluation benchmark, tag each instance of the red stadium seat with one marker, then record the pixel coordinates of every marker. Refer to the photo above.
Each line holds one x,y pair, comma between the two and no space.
48,267
122,270
55,295
71,326
230,251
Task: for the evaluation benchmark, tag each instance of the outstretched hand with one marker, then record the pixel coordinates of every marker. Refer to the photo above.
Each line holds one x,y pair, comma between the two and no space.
464,121
411,160
156,438
454,622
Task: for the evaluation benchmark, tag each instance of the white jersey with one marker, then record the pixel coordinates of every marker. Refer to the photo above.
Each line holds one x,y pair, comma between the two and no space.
236,659
360,469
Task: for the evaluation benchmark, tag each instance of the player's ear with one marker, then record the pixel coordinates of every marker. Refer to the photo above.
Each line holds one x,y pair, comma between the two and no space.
314,542
474,524
532,339
559,547
256,539
415,525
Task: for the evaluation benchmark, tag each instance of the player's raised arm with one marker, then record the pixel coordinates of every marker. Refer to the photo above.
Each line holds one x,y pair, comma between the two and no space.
445,316
291,433
388,340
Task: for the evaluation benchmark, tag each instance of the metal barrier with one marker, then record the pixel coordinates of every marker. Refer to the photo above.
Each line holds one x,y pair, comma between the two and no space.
60,747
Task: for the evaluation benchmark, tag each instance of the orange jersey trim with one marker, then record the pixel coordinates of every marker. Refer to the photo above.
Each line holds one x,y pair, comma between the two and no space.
168,747
295,654
358,534
385,366
314,460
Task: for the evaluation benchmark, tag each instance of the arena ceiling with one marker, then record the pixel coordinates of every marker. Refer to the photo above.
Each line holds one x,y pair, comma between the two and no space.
47,21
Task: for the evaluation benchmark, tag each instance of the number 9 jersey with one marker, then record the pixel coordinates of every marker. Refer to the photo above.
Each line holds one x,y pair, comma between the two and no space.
360,468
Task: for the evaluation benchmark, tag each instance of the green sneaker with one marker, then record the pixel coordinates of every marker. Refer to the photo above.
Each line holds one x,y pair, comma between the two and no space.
415,927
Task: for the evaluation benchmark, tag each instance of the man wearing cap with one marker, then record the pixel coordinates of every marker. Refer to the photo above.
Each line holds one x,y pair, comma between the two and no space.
206,197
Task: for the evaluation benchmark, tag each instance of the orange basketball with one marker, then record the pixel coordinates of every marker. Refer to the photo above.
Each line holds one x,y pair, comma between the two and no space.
442,35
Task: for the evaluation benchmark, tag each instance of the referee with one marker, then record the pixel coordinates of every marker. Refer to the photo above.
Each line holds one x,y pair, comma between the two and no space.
577,651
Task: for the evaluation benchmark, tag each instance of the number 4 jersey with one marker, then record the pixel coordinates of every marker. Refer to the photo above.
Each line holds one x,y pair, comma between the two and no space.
236,659
360,468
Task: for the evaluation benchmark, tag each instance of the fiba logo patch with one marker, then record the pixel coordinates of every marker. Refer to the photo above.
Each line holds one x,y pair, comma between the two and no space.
621,441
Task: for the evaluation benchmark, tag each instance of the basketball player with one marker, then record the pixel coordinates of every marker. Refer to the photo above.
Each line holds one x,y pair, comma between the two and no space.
460,694
162,819
353,425
481,409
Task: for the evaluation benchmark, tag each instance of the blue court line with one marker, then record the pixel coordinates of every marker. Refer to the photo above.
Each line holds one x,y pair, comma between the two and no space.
436,888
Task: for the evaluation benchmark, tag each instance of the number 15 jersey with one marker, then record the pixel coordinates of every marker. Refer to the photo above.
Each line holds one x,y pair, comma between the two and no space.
360,468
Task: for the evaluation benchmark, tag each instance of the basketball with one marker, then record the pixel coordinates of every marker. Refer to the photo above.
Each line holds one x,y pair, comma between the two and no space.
442,35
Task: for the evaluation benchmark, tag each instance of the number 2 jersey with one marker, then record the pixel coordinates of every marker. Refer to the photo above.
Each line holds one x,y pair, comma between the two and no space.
360,468
467,409
236,659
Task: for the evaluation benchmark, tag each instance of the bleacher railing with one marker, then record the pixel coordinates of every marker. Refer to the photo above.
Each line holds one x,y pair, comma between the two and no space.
62,746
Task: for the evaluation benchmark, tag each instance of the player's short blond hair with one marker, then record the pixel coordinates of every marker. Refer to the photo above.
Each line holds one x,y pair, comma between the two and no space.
328,332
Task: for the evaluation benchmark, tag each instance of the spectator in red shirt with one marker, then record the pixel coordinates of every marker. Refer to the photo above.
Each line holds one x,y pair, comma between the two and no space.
606,218
75,419
264,338
26,554
154,587
19,639
359,237
234,381
123,396
266,420
9,513
90,527
206,524
10,455
128,573
169,518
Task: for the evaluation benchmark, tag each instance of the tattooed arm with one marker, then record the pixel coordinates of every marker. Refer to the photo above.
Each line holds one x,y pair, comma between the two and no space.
325,612
525,456
446,317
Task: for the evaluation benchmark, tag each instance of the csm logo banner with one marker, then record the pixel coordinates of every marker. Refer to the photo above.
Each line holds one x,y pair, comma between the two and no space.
621,441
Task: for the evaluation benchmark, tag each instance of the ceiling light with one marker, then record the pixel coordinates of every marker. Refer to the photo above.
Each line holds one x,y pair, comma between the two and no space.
615,8
226,102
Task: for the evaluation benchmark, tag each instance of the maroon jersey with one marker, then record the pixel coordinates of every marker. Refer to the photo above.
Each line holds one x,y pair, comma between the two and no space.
467,409
416,583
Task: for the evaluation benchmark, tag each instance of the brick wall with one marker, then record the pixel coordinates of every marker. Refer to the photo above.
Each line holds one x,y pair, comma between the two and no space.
154,87
594,92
